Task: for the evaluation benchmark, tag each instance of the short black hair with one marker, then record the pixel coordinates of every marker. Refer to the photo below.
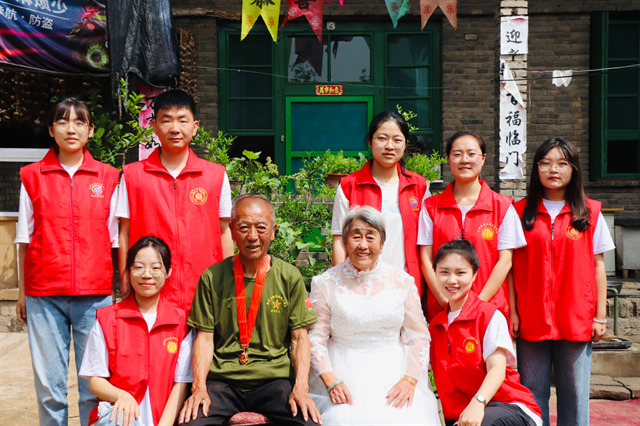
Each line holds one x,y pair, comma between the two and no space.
149,241
62,111
462,247
174,98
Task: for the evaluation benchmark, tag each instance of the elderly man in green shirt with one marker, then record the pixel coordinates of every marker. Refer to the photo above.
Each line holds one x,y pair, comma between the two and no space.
251,311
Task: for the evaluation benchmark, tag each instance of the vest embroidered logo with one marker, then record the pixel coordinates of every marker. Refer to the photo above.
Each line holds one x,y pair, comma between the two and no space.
572,233
470,344
97,190
198,196
488,231
171,344
413,202
276,303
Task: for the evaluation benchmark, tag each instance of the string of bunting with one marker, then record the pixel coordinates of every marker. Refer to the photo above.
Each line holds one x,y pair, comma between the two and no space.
313,11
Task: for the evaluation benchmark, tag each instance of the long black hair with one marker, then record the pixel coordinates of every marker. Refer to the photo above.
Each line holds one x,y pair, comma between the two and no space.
574,194
382,118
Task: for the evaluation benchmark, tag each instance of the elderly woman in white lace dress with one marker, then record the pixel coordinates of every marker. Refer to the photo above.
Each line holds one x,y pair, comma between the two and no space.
370,346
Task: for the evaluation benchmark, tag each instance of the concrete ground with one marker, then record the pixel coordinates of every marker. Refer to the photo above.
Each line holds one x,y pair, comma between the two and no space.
17,392
18,404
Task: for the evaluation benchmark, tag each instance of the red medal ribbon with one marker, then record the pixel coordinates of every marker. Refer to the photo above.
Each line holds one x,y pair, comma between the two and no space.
246,322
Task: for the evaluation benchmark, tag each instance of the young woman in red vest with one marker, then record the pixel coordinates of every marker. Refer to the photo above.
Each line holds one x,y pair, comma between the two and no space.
384,184
472,353
66,229
559,304
138,357
469,209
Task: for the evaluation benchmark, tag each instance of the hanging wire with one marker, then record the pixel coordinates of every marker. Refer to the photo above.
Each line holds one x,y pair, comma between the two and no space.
576,73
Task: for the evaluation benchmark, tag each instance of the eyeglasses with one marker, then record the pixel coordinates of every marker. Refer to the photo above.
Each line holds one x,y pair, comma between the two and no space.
154,271
76,124
560,166
472,156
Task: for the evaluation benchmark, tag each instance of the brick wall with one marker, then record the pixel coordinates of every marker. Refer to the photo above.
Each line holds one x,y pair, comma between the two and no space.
469,94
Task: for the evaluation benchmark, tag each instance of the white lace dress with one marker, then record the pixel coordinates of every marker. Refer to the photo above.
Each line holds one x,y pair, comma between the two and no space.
370,332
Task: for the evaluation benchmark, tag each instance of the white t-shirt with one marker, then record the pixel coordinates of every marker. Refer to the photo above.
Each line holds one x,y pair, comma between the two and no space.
224,209
510,233
95,363
497,336
25,227
393,249
602,240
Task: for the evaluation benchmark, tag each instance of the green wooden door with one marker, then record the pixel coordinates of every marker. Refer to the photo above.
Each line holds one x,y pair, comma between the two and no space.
315,124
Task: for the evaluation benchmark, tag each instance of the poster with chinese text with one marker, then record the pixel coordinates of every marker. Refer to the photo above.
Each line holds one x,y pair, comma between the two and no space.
67,36
514,35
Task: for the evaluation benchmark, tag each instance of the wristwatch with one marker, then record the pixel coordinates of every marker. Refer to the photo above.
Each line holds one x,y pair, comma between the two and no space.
481,399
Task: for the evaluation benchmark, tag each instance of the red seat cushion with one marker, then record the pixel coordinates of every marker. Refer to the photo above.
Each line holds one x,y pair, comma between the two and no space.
247,419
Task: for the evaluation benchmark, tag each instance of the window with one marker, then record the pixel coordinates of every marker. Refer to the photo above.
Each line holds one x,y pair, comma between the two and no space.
266,86
349,61
412,82
615,97
249,83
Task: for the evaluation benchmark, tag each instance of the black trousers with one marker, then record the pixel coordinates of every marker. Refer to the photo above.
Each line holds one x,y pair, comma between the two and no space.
502,414
270,399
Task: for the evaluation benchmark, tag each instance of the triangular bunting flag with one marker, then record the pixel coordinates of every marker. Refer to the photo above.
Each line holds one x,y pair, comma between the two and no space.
397,9
311,9
427,7
268,9
449,8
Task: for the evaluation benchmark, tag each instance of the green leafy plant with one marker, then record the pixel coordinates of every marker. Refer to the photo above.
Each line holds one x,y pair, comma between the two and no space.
425,165
408,115
216,148
250,176
338,163
112,138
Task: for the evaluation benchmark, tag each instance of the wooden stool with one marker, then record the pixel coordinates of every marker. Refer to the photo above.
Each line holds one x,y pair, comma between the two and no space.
247,419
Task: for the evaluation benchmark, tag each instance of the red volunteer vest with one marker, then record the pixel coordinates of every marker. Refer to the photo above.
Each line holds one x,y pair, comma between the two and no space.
555,277
70,252
183,212
480,227
458,364
362,190
138,358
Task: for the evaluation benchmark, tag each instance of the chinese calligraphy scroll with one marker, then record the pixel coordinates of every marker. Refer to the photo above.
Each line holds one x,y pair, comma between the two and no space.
513,126
514,35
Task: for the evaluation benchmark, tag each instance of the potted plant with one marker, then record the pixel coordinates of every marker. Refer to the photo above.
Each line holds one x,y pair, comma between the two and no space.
425,165
335,166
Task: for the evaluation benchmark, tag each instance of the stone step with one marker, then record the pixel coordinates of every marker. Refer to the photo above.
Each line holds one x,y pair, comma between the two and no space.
614,388
616,363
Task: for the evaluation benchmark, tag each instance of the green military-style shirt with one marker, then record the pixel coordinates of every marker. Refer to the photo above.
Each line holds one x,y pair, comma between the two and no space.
284,306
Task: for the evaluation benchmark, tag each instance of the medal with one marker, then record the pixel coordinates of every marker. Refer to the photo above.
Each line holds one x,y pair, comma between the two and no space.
246,322
243,358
